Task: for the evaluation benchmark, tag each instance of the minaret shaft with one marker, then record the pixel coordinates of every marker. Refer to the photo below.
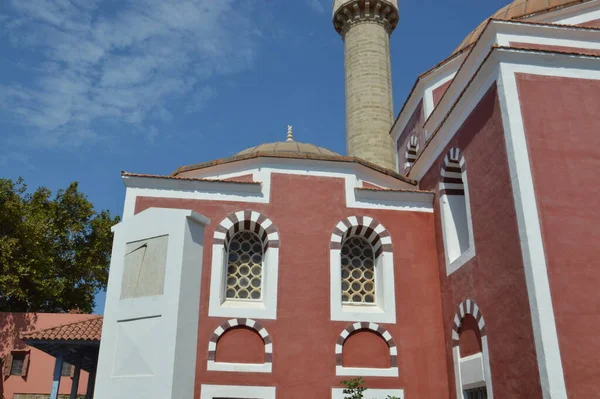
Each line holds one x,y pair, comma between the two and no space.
366,26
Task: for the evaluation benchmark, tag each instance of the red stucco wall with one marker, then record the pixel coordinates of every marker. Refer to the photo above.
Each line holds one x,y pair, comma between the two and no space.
366,349
562,124
470,337
305,210
495,278
548,47
240,345
439,92
591,24
41,365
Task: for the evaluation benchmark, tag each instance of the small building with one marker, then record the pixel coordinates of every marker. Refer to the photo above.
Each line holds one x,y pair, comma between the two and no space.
29,346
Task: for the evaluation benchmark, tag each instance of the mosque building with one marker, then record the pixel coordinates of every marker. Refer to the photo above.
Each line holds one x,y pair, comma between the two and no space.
452,253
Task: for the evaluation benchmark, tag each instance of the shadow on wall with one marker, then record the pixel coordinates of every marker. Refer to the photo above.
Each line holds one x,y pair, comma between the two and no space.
11,326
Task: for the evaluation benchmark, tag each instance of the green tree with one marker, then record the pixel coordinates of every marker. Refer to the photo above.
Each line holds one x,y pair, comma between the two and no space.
355,388
54,251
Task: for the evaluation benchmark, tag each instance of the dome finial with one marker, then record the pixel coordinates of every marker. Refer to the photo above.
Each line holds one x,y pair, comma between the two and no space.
290,134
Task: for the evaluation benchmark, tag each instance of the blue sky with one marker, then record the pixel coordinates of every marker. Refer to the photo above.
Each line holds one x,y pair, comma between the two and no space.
92,87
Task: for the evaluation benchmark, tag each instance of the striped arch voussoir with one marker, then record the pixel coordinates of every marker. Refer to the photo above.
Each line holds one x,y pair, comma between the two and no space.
254,325
412,148
249,221
468,307
339,345
451,182
362,226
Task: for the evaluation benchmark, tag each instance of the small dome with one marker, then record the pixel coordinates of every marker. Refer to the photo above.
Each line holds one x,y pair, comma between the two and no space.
288,147
515,10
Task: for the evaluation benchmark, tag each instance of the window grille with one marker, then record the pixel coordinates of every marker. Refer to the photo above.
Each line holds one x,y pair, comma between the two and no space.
17,364
358,271
475,393
67,369
244,268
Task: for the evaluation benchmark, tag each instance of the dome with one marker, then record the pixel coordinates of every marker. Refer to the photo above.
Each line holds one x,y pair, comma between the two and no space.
515,10
288,147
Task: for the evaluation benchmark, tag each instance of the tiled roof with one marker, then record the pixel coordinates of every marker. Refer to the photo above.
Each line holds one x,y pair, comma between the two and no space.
86,330
128,174
283,155
516,10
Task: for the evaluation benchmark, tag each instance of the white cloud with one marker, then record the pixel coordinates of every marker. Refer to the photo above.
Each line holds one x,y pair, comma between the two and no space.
316,6
119,61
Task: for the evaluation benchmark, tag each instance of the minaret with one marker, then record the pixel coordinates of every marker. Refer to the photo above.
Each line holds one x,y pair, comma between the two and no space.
366,26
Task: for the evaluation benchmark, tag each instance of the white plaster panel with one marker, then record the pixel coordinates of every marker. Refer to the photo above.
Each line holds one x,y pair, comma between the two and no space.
240,367
366,372
236,391
471,371
148,347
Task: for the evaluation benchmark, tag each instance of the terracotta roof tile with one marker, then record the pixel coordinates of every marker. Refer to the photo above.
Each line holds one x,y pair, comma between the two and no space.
394,190
316,157
86,330
127,174
516,10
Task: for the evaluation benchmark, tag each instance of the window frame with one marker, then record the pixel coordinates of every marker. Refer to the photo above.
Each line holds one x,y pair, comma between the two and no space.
266,307
480,360
69,367
9,362
445,190
262,266
375,277
384,310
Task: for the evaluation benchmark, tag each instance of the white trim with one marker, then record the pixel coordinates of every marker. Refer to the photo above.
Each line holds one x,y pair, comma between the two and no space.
384,311
338,393
408,201
428,102
539,63
236,391
419,93
538,286
240,367
366,372
262,170
266,308
484,77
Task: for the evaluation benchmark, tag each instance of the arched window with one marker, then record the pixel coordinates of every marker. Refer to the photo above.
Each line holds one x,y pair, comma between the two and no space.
244,266
470,353
455,212
362,271
358,271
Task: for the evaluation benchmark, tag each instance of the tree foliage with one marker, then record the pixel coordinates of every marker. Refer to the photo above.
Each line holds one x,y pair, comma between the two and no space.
54,250
355,389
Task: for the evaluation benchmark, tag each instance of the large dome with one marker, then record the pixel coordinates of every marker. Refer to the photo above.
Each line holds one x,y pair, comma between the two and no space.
515,10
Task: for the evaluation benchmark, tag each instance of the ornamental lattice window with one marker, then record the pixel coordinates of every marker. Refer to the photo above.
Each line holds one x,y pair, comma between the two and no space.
245,267
358,271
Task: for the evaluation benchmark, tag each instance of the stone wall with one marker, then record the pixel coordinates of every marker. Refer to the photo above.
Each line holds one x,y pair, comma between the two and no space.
369,105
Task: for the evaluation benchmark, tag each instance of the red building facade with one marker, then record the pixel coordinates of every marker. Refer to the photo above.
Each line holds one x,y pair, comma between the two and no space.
466,272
